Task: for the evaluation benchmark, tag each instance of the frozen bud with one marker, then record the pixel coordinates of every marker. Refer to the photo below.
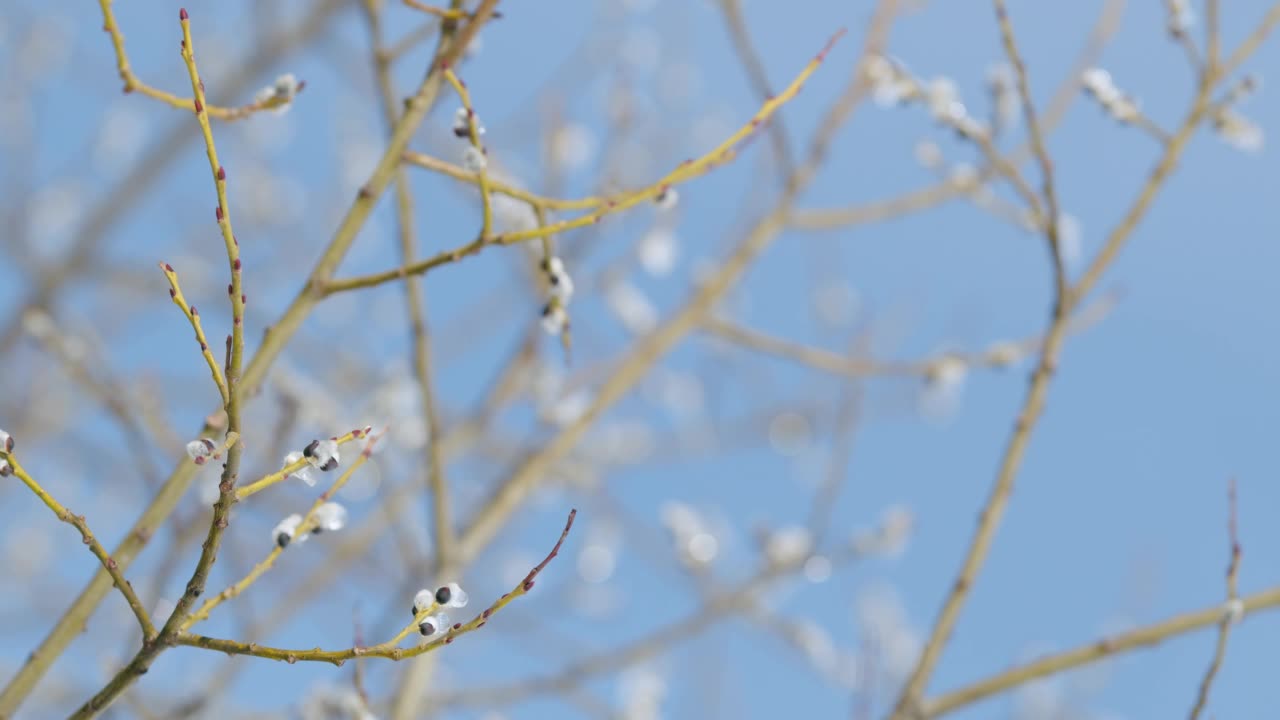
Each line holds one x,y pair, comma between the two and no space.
303,473
1181,17
322,454
788,545
473,159
201,450
451,595
667,199
423,601
1233,611
6,442
283,532
558,278
279,95
462,124
1237,130
329,517
5,468
433,624
554,319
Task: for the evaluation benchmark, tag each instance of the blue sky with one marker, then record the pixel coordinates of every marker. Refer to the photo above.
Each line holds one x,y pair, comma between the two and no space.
1119,515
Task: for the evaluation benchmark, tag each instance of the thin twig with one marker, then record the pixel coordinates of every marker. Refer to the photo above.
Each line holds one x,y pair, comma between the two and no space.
1234,609
1093,651
1033,405
389,649
78,522
687,170
132,83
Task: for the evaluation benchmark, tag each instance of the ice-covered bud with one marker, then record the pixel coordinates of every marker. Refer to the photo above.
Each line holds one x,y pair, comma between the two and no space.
1233,611
284,531
554,319
200,450
667,198
451,595
6,442
303,473
558,278
473,159
322,454
278,96
1181,17
432,624
329,517
5,468
1237,130
423,601
462,124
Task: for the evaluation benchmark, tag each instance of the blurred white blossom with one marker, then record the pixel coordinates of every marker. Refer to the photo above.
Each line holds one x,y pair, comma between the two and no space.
1098,83
657,251
890,535
1237,130
632,307
882,621
573,147
788,544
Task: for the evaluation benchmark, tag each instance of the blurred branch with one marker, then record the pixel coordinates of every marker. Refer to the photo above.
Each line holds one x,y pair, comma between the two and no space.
1033,403
759,77
414,308
688,170
998,355
824,219
1096,650
487,521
